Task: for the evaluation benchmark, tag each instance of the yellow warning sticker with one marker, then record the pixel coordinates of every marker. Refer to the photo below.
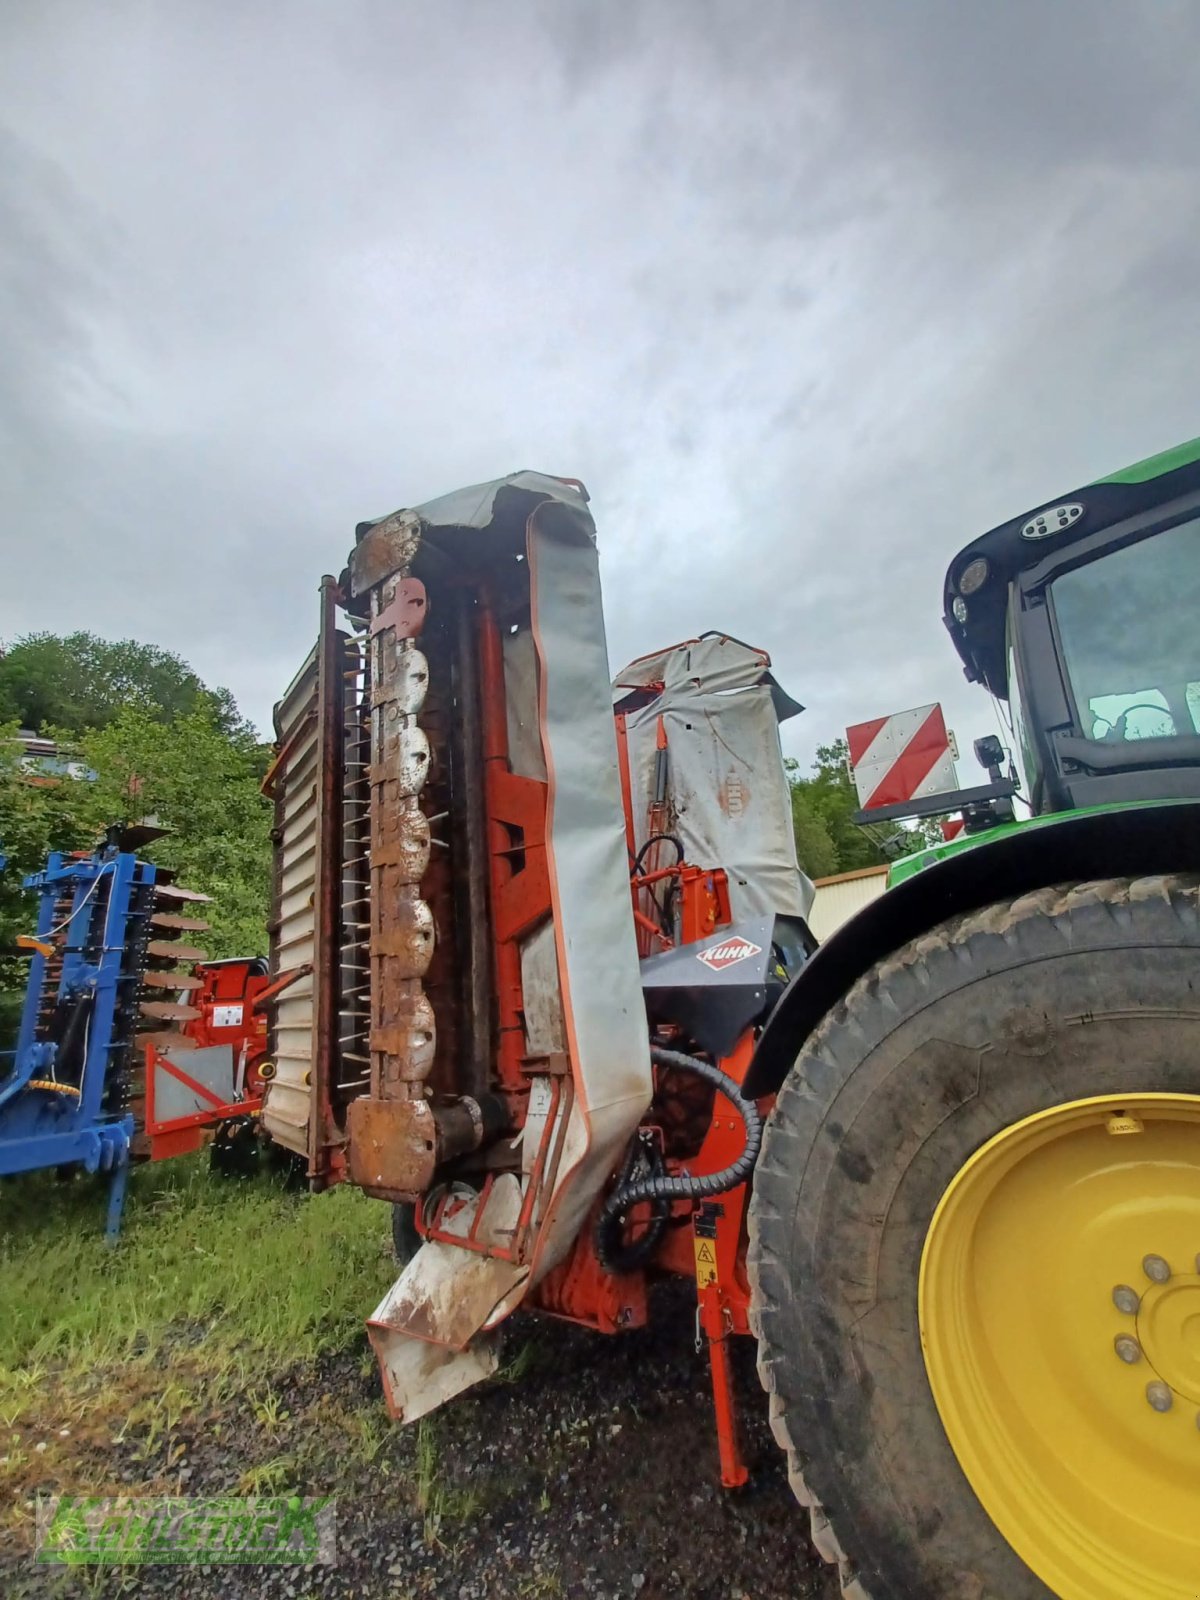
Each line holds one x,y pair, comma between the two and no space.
706,1263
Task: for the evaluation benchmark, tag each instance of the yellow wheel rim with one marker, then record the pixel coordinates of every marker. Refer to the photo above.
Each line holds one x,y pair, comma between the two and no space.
1060,1321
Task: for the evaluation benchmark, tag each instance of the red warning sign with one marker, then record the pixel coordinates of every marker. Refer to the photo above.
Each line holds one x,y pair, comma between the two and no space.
902,757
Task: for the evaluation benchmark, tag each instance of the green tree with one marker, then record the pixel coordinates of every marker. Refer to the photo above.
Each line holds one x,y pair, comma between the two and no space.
35,817
76,682
202,784
828,840
200,781
815,849
823,807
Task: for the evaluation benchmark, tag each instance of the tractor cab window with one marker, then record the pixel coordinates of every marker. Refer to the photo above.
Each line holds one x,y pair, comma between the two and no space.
1128,628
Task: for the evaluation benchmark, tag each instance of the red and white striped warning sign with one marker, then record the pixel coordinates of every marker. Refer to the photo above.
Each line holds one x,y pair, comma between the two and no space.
902,757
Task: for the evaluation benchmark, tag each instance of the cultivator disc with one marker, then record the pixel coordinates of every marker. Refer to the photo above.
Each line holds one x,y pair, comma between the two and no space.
157,959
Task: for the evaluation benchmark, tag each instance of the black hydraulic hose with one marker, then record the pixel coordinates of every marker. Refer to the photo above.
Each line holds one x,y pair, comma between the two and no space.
659,1186
615,1252
69,1031
657,838
663,907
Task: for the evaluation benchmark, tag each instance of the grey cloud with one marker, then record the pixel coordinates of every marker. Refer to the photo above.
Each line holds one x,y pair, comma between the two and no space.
809,294
52,250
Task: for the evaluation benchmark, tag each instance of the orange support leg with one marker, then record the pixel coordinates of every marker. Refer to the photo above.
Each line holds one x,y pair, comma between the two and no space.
734,1472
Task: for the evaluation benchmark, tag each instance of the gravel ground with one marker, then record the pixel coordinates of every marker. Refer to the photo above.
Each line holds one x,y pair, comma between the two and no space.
592,1472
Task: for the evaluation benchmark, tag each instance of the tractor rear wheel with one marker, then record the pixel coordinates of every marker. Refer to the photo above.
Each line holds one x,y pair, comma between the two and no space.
973,1256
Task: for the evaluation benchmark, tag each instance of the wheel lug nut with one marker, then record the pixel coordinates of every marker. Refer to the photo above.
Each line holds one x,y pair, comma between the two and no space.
1156,1269
1126,1299
1127,1348
1159,1396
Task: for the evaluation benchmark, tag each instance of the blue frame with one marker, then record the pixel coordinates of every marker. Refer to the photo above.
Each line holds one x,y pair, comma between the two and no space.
42,1128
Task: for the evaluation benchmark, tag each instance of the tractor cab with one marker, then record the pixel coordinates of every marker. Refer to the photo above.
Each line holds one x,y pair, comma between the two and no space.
1082,615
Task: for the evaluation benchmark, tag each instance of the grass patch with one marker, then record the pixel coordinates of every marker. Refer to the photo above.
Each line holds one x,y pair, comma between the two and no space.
443,1505
216,1264
215,1288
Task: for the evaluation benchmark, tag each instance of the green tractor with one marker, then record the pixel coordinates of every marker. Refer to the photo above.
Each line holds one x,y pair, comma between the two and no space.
975,1227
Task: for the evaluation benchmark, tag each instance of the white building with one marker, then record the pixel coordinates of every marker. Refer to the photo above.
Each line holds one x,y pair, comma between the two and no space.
839,897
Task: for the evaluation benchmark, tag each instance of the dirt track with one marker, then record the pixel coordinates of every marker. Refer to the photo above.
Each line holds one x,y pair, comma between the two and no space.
592,1473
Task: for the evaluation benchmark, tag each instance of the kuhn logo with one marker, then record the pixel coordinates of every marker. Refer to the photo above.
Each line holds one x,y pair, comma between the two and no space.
728,953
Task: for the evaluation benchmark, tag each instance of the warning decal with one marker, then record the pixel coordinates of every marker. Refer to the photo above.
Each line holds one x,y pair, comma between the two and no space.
706,1263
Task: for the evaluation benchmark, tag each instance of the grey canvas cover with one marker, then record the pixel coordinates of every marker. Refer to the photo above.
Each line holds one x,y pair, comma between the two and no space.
728,797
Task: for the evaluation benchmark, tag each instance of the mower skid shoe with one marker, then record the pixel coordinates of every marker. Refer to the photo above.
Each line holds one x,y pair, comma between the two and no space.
431,1331
419,1377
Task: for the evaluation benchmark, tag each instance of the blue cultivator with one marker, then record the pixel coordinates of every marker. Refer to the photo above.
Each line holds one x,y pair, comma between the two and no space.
71,1094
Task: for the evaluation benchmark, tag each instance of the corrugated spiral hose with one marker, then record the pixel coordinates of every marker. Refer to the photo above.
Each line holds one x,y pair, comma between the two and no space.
613,1254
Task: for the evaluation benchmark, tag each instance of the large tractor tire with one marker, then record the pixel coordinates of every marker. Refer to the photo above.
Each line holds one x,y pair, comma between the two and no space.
973,1254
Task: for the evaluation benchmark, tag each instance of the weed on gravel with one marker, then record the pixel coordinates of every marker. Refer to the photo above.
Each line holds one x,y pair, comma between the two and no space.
110,1358
219,1350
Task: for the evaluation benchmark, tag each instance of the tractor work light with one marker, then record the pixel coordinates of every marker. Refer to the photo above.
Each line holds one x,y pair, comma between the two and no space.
1052,521
959,607
974,575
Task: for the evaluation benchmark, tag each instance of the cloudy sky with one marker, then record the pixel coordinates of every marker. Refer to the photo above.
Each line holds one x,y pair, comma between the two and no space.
809,294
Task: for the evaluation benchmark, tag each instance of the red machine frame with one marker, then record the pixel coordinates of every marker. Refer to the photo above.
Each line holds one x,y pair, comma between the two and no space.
702,1240
222,984
712,1250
